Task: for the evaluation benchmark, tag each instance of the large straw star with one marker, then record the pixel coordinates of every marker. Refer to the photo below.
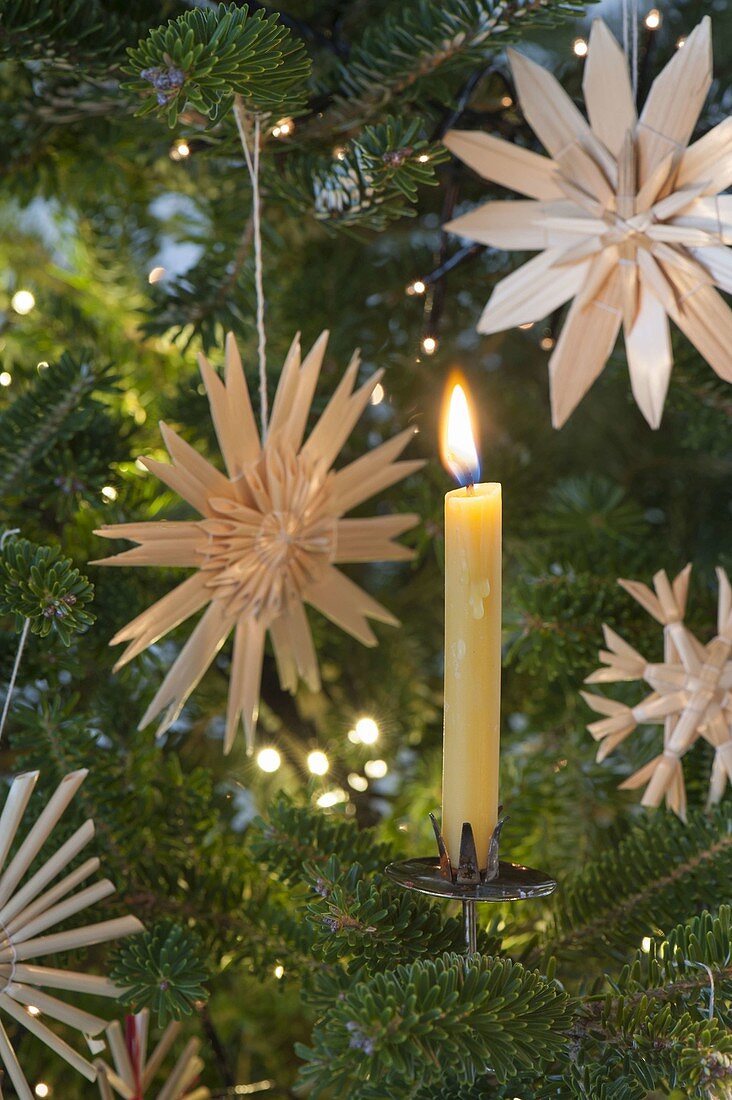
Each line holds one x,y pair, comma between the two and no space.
38,897
270,536
629,216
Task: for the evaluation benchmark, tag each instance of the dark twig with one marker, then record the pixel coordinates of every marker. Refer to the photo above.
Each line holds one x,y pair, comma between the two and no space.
222,1059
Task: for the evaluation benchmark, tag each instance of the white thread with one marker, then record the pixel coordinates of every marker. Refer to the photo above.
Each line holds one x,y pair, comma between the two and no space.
14,674
252,163
21,644
261,334
710,974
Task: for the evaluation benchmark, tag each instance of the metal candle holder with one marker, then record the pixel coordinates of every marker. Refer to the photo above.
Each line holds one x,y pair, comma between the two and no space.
500,881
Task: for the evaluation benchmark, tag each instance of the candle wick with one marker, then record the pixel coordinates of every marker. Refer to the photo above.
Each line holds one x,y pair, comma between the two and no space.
469,488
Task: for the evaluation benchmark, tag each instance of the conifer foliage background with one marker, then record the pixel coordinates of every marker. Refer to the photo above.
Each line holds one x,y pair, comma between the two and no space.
277,936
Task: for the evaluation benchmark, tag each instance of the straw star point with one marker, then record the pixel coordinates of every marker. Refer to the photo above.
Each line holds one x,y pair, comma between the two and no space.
629,218
136,1068
270,536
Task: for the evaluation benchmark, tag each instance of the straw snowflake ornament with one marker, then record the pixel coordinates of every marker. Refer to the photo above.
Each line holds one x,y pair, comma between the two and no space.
691,692
135,1070
27,914
270,536
629,217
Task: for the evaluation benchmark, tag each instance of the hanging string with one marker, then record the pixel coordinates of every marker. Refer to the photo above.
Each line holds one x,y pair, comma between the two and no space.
14,674
21,646
630,40
251,156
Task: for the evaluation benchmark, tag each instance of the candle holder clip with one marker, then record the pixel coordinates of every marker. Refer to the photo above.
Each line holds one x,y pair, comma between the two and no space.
467,883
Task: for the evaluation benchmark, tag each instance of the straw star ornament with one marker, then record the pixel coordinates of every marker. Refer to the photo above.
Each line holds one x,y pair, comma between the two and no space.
136,1069
629,217
30,909
270,536
691,692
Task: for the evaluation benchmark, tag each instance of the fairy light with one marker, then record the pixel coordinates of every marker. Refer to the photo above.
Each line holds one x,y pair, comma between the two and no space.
268,759
417,287
23,302
378,394
546,343
358,782
367,731
283,128
33,1010
43,365
646,944
5,378
331,798
180,150
580,47
376,769
506,101
109,493
339,152
423,158
429,345
279,972
42,1089
318,763
156,275
680,42
653,19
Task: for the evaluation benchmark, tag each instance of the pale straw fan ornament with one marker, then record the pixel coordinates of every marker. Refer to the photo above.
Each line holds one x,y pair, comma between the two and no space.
270,536
628,218
136,1070
691,692
30,909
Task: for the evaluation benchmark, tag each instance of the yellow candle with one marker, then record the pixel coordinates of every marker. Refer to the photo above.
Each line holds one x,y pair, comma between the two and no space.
472,649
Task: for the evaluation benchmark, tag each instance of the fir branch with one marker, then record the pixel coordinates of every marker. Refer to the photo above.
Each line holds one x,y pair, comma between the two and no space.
371,924
658,1049
57,406
372,180
199,60
691,965
39,585
397,1030
591,509
678,866
164,970
597,1083
293,837
554,618
418,49
65,33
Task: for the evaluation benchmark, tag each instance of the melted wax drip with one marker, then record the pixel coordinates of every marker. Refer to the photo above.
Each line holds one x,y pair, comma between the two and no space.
477,594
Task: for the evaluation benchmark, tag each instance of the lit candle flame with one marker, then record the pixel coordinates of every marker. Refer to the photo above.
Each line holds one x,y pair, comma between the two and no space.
457,444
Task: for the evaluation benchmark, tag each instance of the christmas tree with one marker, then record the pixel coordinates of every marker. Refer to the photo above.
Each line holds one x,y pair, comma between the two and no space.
176,175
